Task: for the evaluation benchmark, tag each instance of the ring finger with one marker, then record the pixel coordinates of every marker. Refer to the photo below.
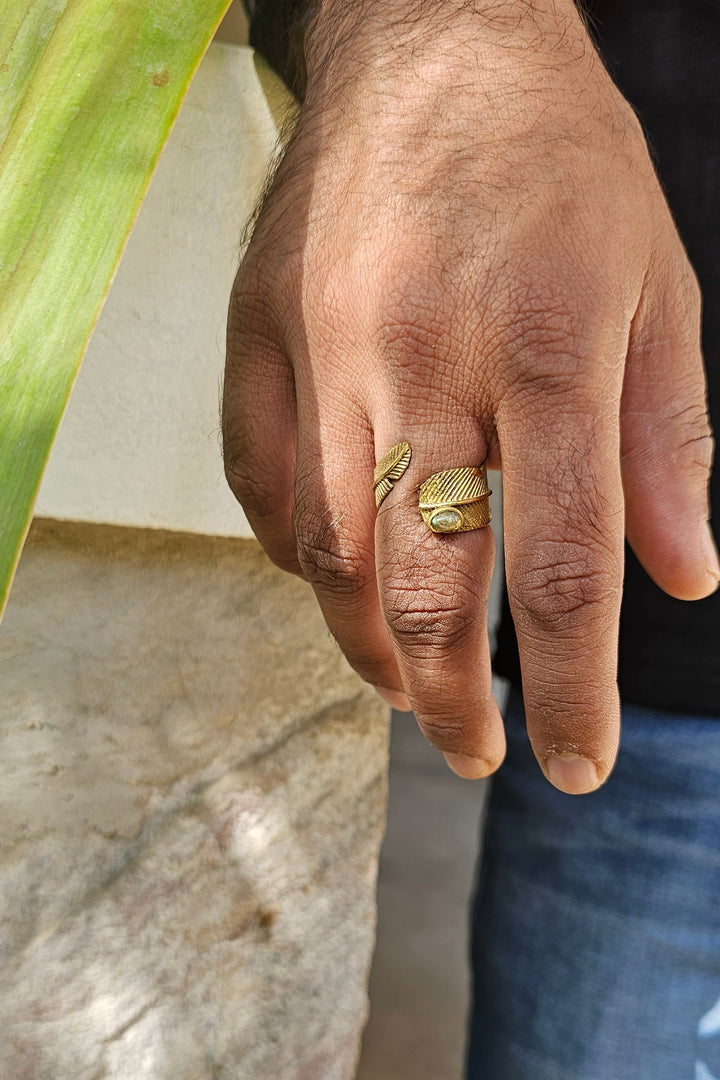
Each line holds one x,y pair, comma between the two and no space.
434,592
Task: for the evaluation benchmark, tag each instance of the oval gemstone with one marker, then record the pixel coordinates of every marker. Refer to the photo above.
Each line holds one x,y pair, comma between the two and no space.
446,520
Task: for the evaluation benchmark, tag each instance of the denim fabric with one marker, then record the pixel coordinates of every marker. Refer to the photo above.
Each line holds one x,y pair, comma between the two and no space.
596,919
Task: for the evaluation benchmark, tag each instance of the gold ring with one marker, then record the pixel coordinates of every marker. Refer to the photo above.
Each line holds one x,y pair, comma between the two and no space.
389,469
456,500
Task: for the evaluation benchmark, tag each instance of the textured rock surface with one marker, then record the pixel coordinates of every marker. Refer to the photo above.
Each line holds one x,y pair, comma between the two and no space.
191,804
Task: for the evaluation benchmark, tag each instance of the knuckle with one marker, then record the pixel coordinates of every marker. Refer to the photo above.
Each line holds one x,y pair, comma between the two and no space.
257,311
558,392
409,344
252,309
447,736
546,316
533,383
562,378
425,625
255,493
552,345
563,386
546,595
690,290
696,445
414,323
694,298
329,561
701,450
252,339
543,326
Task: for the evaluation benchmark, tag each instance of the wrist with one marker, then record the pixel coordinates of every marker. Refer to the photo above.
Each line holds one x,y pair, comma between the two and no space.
472,71
364,41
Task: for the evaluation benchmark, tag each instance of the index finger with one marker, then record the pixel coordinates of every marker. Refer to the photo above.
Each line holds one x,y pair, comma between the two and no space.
564,549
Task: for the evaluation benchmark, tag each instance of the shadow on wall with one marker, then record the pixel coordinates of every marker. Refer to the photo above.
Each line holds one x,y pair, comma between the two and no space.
234,27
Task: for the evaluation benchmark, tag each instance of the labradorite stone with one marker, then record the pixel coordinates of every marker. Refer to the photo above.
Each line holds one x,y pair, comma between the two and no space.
446,520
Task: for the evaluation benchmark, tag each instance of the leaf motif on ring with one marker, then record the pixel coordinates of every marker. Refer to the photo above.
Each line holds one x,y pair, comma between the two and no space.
389,469
454,486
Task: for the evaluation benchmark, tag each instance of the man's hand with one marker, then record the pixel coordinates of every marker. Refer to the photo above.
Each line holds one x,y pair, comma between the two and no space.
465,247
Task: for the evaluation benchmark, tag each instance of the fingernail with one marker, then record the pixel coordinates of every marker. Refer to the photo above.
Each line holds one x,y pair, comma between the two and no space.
572,774
394,698
469,768
712,562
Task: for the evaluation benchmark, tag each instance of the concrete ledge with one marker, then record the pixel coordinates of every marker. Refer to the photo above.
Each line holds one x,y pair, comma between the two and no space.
192,802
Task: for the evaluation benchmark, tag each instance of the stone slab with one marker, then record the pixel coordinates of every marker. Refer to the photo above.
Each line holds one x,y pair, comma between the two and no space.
191,806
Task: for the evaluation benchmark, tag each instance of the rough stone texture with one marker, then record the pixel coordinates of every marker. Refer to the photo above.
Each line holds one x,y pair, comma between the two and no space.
191,805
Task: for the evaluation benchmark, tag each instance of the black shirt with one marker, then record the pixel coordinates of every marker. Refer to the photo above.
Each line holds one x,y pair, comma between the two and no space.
665,57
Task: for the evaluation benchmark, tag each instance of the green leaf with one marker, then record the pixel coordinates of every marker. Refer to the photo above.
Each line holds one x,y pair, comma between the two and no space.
89,90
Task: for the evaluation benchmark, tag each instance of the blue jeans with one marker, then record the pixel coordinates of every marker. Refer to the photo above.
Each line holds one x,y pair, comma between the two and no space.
596,919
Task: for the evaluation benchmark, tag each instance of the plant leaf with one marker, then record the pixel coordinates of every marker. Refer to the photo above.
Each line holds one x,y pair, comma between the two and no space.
89,90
